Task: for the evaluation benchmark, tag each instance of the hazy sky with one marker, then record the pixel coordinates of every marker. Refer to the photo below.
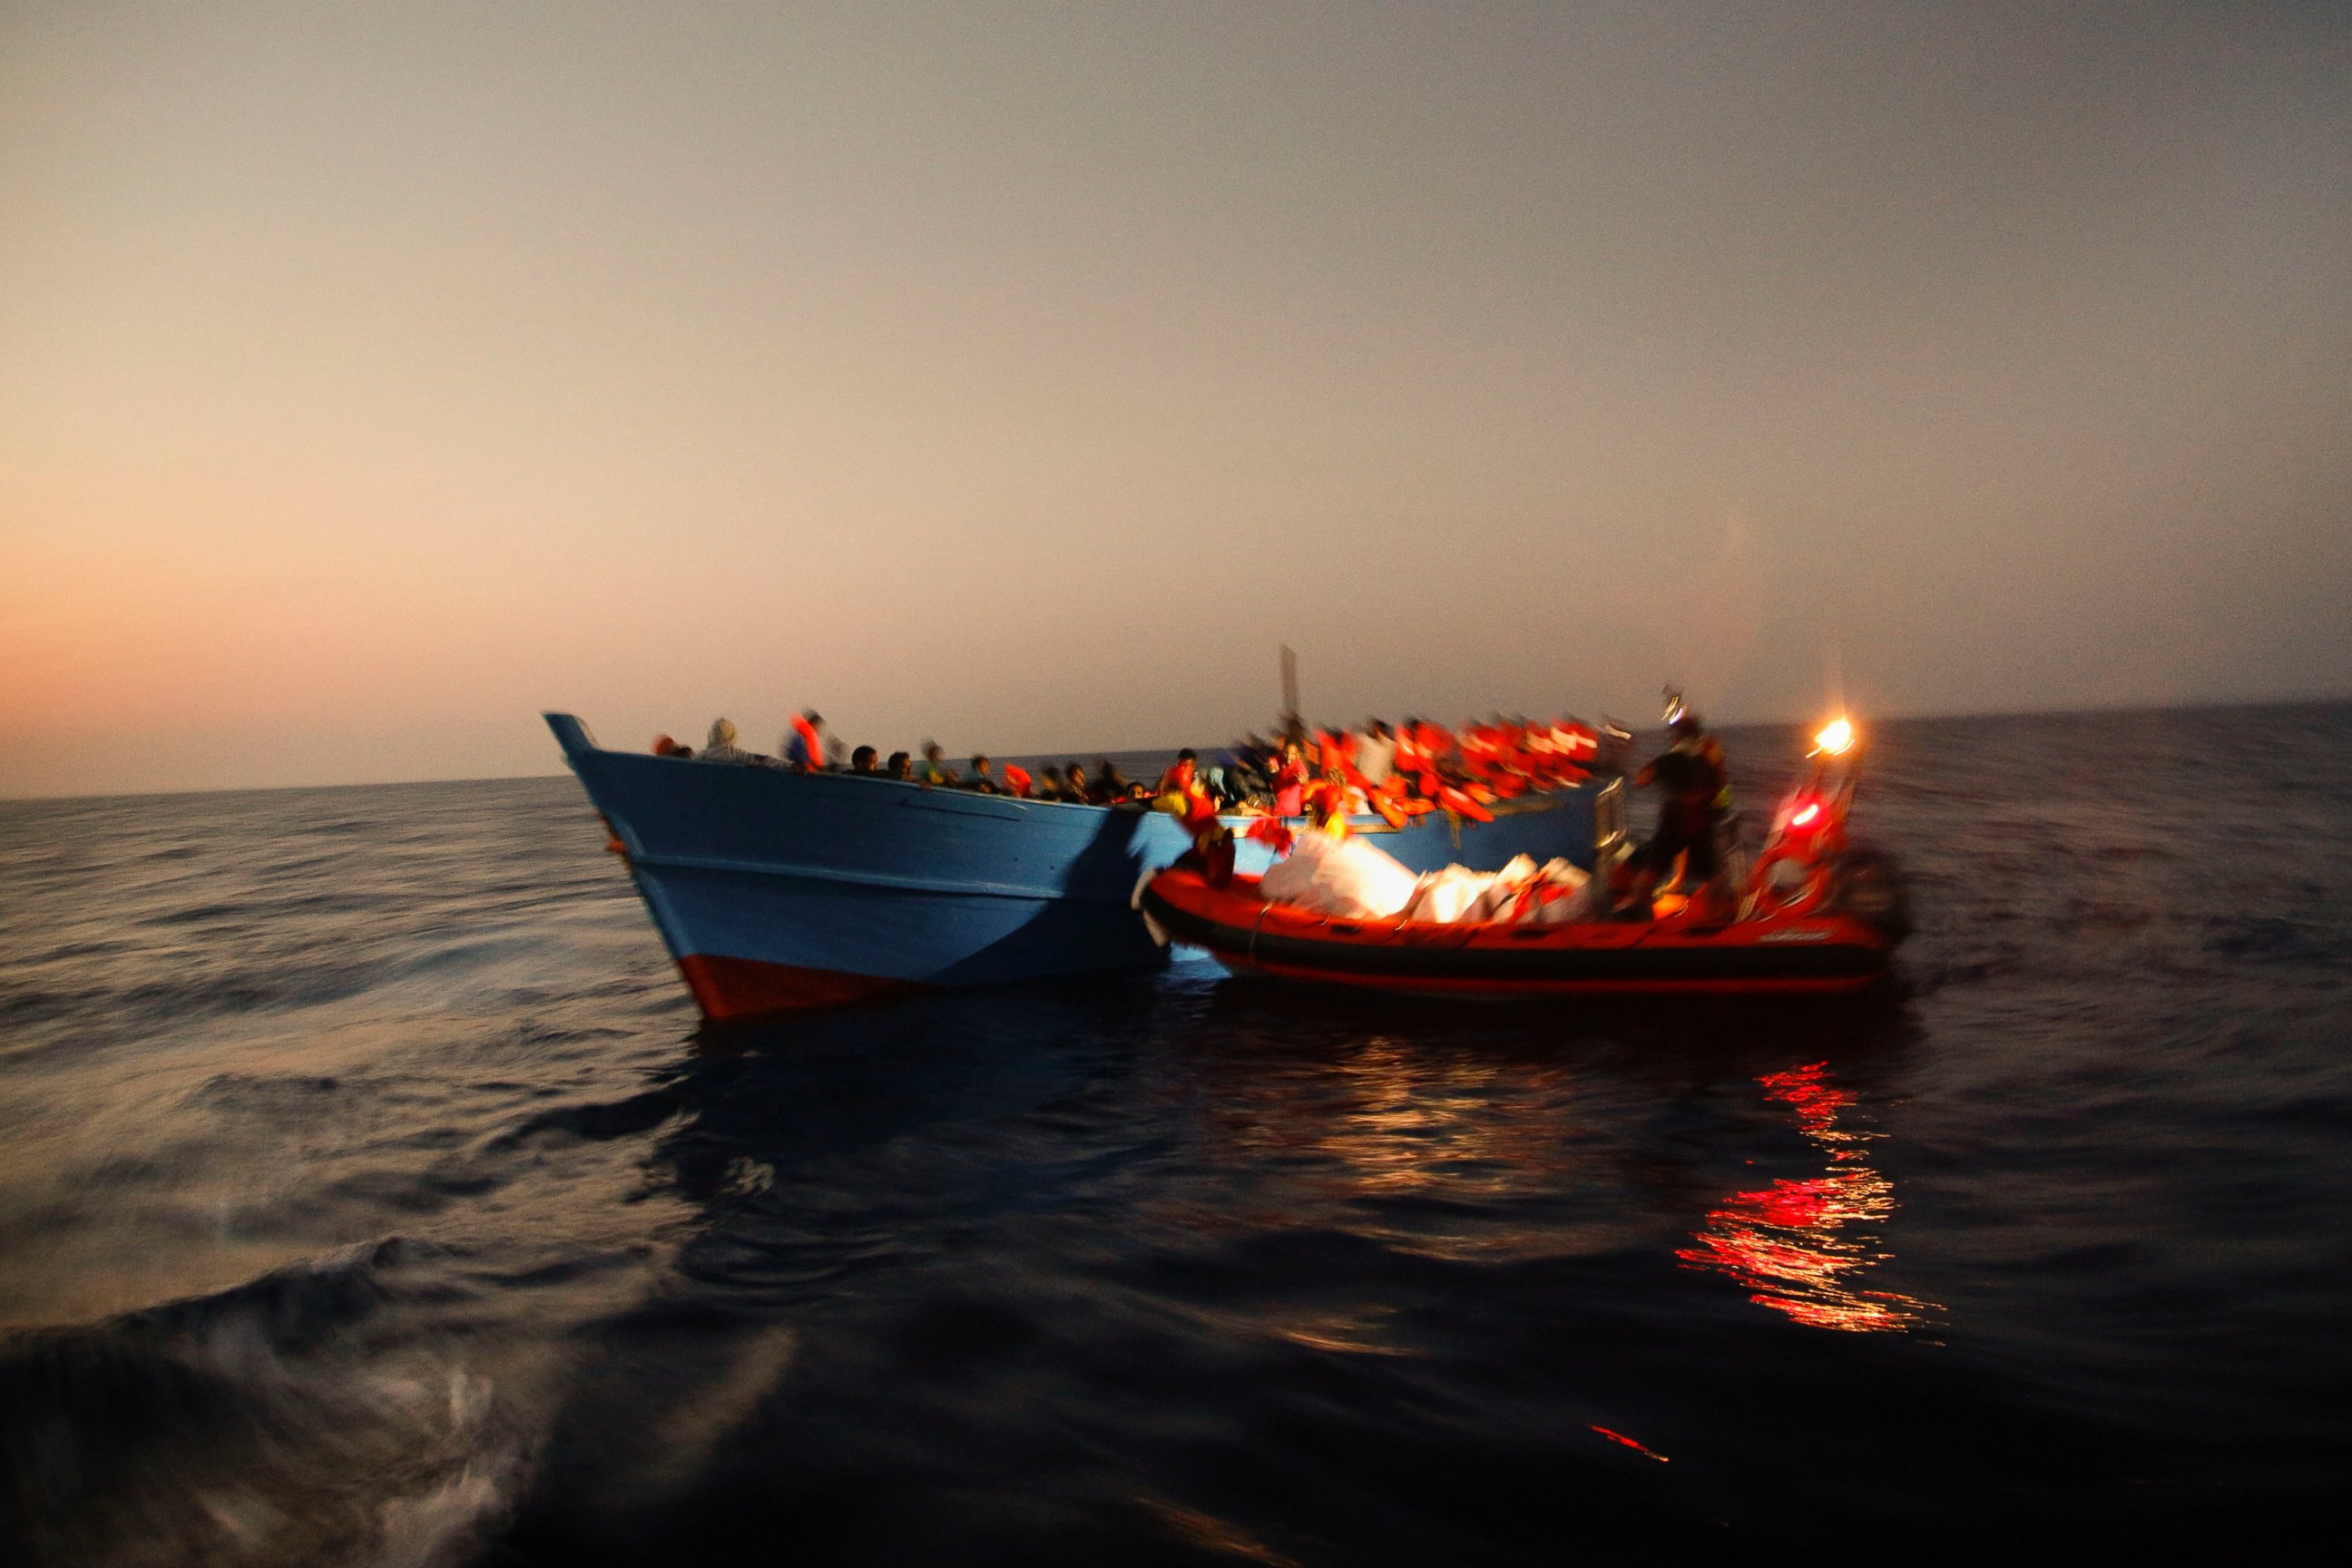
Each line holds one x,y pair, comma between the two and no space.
374,377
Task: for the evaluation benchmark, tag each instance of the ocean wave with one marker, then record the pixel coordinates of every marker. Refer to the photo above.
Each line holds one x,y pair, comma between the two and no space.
260,1424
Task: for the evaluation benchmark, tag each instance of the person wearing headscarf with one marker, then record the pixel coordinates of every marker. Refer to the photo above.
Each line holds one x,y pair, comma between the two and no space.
721,746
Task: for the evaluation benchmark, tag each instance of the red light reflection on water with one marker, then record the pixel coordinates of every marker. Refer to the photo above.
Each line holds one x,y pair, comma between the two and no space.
1630,1443
1802,1248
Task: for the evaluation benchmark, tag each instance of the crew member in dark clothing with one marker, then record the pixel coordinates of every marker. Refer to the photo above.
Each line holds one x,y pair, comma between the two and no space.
1697,789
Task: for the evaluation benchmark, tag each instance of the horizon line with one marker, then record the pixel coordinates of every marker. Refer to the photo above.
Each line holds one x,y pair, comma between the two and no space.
2336,700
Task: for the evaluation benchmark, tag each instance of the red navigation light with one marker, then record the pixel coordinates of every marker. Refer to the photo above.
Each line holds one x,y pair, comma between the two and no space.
1806,815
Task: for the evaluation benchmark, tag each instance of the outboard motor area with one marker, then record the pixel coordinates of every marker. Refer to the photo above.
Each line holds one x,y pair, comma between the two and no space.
1809,866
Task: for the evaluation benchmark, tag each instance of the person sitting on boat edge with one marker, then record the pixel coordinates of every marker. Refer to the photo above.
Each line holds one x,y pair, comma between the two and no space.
977,781
666,747
1242,783
1118,789
721,746
804,747
1180,775
1696,786
900,767
1290,781
1184,797
861,763
934,772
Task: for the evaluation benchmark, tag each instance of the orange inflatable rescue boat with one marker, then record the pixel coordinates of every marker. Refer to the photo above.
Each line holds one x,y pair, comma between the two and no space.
1815,917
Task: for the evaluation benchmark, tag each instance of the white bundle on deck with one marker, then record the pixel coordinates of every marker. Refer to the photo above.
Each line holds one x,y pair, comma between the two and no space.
1339,877
1351,878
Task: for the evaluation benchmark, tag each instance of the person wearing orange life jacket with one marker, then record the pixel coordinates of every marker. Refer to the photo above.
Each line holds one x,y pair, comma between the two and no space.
1437,756
1478,748
1386,797
804,747
1339,788
1326,801
1395,801
1416,762
1182,776
1409,763
1183,795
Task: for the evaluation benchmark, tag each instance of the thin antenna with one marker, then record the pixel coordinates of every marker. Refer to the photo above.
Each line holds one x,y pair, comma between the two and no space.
1293,725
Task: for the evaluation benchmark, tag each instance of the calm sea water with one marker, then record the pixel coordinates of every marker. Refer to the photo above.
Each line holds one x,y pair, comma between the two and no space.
371,1196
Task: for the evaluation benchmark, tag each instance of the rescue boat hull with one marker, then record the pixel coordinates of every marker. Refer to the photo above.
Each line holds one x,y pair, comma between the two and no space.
776,892
1812,955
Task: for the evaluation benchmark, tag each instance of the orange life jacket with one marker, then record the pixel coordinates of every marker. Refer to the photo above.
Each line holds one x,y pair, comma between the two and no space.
810,739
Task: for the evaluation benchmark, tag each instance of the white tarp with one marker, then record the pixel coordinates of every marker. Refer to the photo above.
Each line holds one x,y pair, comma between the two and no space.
1353,879
1339,877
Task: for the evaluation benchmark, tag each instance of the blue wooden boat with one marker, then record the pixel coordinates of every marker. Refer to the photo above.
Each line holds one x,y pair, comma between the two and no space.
776,890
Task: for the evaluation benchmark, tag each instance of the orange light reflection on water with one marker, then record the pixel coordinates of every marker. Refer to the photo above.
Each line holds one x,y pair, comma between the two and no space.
1802,1248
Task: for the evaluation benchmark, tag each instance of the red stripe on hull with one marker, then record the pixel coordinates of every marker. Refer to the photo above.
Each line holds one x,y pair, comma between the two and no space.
1525,990
732,989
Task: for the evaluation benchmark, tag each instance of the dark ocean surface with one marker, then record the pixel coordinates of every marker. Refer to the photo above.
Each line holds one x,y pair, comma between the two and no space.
371,1196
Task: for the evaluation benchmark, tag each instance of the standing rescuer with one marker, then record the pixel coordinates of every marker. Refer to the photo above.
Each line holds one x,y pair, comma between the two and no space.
1696,787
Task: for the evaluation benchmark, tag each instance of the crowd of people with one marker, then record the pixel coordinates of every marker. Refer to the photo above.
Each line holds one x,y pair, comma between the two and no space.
1324,776
1397,772
808,747
1403,771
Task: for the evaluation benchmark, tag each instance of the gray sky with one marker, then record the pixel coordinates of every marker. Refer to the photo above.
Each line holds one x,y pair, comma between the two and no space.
372,377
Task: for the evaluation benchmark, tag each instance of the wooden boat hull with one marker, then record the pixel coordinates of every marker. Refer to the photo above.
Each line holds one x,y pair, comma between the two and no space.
775,890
